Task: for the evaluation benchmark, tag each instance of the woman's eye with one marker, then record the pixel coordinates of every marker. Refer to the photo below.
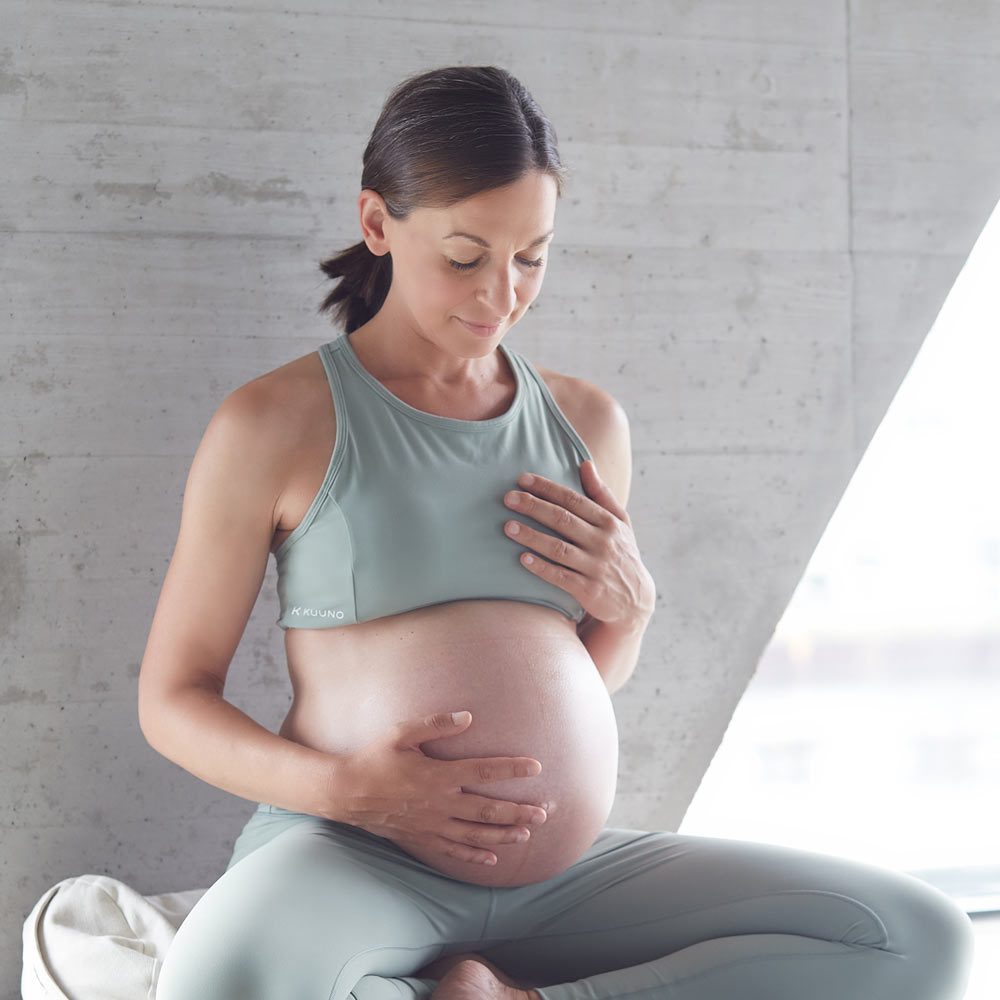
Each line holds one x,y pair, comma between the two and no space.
461,265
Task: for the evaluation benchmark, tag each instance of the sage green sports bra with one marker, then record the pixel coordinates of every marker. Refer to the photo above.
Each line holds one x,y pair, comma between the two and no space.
411,510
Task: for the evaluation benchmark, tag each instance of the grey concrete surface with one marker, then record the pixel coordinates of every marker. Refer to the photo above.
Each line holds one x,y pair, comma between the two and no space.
769,203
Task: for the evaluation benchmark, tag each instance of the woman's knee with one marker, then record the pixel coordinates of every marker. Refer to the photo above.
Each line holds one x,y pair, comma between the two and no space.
926,933
941,939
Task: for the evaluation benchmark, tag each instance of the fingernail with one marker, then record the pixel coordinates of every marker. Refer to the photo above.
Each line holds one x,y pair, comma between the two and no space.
527,479
522,836
459,718
527,560
513,528
513,499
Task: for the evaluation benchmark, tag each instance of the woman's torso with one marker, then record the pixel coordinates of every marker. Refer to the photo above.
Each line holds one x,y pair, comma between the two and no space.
518,667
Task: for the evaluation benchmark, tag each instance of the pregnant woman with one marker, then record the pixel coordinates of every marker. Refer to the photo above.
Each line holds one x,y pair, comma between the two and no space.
461,590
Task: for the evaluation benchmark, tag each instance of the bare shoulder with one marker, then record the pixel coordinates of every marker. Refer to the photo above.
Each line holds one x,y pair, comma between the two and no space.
593,411
601,422
275,414
279,401
269,441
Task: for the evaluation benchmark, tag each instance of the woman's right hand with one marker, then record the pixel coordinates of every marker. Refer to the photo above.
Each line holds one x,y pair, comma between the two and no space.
393,789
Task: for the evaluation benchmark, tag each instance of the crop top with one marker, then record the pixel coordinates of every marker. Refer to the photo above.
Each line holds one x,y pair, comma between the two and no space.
411,510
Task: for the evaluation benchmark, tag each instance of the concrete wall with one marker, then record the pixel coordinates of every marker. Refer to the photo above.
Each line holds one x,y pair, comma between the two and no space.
769,204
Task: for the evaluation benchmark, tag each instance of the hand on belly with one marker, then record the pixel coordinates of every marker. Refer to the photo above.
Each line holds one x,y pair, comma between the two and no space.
392,788
429,786
576,787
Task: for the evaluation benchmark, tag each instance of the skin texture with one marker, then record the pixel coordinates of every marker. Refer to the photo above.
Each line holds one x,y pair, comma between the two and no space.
261,462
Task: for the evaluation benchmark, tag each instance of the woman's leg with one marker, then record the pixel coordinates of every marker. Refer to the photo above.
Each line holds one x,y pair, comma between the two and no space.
689,918
319,913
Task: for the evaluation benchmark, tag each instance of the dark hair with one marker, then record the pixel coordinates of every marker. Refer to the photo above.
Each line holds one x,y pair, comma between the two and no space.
442,136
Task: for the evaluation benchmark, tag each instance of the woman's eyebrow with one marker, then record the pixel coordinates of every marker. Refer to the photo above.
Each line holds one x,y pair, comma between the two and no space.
479,240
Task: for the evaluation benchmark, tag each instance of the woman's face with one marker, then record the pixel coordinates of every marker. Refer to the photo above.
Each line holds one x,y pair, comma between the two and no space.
464,275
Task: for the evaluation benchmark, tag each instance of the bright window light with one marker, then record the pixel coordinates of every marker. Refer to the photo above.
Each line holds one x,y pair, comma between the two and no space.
872,727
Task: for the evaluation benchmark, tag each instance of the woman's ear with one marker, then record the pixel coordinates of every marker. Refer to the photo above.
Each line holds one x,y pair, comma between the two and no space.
373,215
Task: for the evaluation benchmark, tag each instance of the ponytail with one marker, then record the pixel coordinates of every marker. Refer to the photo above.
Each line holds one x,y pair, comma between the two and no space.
363,286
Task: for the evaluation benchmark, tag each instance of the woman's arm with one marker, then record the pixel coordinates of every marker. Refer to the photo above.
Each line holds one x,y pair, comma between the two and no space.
614,650
227,524
601,567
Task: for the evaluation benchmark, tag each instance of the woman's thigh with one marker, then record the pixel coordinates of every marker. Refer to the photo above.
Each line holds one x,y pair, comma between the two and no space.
308,915
635,897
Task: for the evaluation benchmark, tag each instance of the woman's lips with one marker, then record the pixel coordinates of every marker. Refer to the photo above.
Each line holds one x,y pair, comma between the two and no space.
479,328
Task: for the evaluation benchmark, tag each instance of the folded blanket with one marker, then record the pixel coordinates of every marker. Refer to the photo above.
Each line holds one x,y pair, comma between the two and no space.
95,938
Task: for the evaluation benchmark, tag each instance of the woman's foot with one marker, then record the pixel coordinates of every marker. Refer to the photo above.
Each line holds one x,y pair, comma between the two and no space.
440,968
471,977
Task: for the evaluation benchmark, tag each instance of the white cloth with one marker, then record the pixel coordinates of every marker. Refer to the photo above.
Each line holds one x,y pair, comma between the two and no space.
95,938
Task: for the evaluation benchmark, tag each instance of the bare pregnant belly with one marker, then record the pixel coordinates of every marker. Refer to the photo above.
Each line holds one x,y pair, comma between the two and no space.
531,687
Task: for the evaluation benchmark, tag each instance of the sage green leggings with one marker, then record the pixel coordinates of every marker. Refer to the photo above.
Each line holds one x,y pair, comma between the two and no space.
314,910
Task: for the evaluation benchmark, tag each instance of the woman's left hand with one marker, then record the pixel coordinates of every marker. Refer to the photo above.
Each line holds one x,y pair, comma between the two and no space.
595,558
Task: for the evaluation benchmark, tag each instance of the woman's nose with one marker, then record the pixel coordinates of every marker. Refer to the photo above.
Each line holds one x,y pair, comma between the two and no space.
499,291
